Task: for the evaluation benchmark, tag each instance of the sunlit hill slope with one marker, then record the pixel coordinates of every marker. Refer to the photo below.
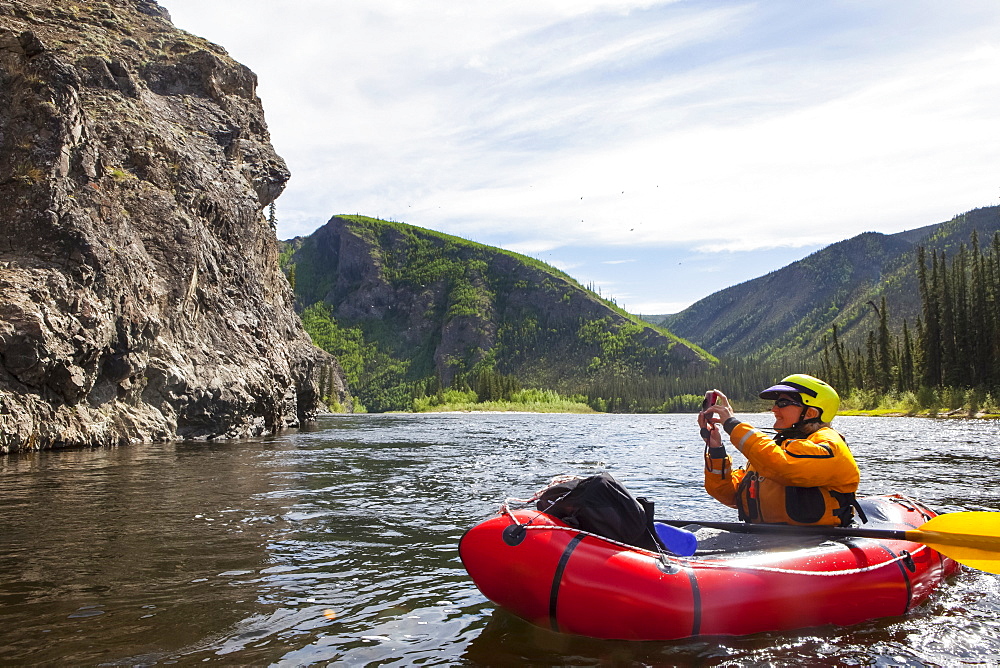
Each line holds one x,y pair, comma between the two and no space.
430,305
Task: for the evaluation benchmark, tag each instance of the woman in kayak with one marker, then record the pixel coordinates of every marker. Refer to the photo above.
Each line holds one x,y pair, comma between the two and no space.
804,475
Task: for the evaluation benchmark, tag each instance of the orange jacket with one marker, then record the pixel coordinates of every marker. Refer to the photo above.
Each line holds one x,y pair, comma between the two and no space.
808,480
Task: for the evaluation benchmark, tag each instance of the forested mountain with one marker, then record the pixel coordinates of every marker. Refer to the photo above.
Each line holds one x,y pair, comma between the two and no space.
788,312
408,310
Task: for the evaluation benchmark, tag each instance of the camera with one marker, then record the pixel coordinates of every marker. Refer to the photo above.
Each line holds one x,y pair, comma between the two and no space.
710,399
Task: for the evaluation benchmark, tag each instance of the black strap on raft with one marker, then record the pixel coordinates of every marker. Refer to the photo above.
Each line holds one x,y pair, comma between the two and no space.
848,503
647,507
557,581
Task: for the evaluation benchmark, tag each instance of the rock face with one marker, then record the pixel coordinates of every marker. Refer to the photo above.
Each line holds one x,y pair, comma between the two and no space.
140,294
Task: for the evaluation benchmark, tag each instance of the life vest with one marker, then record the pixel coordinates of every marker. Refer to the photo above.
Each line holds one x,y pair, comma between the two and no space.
809,480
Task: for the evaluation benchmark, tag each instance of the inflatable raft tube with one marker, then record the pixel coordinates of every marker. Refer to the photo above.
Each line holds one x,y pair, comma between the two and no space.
569,581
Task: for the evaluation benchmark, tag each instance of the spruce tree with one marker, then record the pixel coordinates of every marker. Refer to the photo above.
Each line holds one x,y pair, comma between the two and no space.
843,373
946,299
930,338
962,373
871,371
906,363
979,330
992,311
884,381
828,372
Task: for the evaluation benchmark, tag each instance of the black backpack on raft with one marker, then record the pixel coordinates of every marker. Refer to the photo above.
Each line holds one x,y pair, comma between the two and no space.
601,505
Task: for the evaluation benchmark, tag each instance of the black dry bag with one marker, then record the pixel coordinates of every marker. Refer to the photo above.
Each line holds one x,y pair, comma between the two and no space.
601,505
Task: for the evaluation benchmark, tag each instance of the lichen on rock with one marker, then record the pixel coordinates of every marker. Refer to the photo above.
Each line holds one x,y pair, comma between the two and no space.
140,294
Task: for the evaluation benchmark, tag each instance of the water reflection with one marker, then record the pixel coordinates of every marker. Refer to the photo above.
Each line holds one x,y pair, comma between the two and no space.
111,548
339,544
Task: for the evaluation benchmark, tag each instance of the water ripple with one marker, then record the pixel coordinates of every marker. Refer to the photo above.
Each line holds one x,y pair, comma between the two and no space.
337,545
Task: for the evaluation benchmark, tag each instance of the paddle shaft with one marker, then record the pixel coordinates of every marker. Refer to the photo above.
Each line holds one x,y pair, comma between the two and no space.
970,538
931,538
798,530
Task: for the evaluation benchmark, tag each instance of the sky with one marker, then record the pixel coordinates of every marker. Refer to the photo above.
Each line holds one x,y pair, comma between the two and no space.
655,151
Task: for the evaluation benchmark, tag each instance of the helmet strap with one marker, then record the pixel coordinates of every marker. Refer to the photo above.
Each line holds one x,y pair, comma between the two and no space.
797,430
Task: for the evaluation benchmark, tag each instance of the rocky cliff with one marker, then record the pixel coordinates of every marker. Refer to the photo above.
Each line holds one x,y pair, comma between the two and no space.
140,295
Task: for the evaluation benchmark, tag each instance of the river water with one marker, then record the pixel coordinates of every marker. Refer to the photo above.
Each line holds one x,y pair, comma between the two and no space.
337,545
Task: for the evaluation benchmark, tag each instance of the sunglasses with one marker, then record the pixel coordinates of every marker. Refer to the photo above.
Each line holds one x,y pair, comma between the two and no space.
784,403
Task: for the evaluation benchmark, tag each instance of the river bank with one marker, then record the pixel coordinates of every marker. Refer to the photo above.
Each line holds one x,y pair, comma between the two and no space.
958,413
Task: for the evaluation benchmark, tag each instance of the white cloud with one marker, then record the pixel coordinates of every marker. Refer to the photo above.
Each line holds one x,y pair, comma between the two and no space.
881,156
551,124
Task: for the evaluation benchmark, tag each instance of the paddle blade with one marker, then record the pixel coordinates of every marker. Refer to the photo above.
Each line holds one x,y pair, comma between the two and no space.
970,538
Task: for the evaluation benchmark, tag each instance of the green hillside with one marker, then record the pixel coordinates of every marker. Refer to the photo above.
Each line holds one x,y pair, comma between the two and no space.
410,311
787,313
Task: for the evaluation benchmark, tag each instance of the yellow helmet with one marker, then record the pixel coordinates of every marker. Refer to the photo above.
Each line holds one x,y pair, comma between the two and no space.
812,392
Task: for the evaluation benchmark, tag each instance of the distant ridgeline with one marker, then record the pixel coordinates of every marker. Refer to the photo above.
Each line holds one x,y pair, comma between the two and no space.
915,312
410,312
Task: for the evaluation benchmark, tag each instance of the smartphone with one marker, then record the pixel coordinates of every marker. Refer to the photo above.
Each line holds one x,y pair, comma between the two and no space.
710,399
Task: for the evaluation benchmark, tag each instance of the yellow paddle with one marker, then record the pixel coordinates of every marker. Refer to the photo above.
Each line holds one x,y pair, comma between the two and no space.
970,538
